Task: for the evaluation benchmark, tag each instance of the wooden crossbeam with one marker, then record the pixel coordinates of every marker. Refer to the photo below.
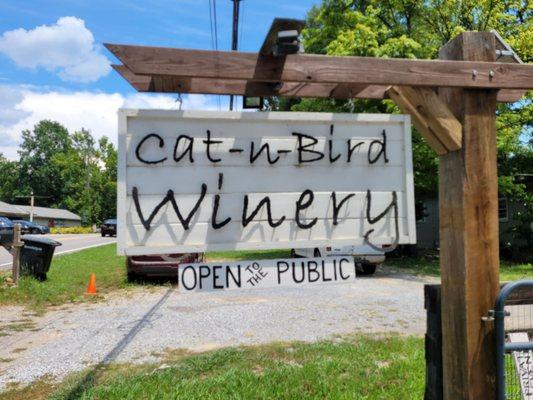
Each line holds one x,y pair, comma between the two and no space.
145,60
175,84
172,84
431,117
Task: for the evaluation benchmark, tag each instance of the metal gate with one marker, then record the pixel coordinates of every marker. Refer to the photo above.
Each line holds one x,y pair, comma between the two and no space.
513,316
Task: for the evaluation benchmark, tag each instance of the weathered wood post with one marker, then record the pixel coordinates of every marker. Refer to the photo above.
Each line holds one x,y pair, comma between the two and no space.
468,197
17,244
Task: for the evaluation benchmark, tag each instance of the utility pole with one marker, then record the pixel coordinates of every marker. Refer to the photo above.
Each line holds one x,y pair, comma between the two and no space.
32,202
234,37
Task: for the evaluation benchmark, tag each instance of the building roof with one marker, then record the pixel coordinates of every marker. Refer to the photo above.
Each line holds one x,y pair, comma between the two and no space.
51,213
9,210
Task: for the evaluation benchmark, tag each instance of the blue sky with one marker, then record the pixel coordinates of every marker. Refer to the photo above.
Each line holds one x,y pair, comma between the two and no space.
55,67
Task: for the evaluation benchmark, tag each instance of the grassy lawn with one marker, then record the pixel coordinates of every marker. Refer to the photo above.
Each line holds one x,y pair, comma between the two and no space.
359,367
420,265
68,278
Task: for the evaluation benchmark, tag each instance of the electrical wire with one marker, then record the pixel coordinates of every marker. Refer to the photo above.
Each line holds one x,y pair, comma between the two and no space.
214,34
211,25
216,41
216,23
241,22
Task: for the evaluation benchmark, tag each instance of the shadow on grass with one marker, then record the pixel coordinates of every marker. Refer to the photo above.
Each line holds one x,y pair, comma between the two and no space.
89,379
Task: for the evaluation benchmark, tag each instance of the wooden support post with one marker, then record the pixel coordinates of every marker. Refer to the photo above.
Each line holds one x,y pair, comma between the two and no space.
468,199
17,244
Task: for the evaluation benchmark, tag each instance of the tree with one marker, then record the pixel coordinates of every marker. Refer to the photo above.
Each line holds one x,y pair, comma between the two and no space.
37,173
9,171
416,29
72,170
108,156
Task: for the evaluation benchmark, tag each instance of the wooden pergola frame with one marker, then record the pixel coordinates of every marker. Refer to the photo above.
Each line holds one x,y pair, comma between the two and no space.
452,102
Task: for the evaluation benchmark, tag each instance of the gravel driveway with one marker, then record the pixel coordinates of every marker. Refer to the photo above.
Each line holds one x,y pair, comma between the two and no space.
143,324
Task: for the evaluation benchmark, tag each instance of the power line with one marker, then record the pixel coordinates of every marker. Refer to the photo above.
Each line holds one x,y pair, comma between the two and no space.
216,40
213,25
216,23
241,23
234,37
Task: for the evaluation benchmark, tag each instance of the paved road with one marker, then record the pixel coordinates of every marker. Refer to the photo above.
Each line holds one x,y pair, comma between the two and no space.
143,323
70,243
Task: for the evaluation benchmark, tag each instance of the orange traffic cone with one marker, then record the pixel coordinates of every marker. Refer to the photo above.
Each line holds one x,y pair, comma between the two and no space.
91,289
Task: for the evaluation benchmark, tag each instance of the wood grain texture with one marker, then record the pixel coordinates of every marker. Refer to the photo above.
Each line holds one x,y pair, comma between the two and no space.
146,60
468,200
433,119
177,84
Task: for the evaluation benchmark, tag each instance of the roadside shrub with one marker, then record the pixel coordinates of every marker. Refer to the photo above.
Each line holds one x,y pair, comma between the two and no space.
71,230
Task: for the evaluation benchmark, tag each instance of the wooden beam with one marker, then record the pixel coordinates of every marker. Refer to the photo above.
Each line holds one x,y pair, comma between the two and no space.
510,95
469,251
430,115
174,84
322,69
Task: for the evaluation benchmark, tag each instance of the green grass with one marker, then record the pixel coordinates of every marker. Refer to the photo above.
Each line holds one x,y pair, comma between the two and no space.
359,367
423,266
68,278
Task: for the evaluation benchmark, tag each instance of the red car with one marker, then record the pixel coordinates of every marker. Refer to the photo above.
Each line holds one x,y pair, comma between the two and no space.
163,265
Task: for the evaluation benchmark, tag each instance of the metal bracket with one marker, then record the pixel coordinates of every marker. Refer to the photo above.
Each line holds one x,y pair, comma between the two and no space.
491,315
287,42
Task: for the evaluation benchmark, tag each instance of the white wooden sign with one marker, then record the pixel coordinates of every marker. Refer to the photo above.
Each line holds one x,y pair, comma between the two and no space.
266,273
195,181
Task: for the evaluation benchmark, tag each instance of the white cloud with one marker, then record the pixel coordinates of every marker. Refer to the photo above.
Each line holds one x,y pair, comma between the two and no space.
66,47
94,111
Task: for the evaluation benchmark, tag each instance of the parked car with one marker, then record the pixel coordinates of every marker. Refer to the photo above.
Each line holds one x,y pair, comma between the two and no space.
163,265
31,227
109,227
366,258
6,230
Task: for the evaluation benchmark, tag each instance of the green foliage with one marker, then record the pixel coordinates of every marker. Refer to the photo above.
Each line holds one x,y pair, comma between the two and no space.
71,230
71,170
509,271
416,29
9,171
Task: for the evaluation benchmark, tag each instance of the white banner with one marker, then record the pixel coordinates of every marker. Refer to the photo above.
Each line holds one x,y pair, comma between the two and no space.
197,181
265,273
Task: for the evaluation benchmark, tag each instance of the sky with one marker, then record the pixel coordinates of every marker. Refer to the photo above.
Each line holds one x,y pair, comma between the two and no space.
53,65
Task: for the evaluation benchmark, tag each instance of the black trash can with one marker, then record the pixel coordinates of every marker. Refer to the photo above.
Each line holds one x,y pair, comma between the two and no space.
6,236
36,255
